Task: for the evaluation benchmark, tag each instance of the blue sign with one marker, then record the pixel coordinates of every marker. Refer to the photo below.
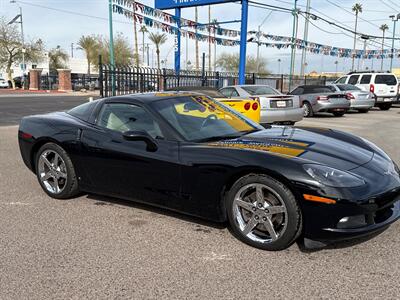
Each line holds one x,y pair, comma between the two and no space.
169,4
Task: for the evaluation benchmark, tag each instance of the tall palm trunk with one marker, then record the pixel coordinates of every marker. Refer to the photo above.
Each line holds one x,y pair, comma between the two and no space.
88,68
158,58
383,40
209,38
354,44
196,18
135,29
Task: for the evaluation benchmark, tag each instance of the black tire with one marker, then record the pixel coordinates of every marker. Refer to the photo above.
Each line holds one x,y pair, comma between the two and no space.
364,111
338,113
308,111
70,187
385,106
293,212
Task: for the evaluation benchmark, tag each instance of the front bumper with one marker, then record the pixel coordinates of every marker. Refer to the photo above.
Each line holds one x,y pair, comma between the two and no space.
328,222
281,115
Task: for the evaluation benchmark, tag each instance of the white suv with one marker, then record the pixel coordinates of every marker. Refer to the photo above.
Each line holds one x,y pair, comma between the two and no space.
384,86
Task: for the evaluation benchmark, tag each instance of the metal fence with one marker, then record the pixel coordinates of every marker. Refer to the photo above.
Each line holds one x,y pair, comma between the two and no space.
84,81
130,80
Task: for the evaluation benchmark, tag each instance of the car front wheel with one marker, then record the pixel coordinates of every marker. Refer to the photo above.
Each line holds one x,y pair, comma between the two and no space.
55,172
263,212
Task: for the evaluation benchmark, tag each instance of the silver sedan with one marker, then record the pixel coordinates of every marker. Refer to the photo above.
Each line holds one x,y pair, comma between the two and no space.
360,100
275,107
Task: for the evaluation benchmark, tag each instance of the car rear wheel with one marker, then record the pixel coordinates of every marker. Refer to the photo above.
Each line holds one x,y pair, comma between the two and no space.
55,172
338,113
263,212
308,112
385,106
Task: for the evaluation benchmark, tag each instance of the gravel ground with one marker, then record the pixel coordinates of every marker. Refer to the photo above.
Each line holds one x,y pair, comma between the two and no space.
98,248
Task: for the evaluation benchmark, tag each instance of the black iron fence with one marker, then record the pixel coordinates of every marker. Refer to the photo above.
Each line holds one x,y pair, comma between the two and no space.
128,80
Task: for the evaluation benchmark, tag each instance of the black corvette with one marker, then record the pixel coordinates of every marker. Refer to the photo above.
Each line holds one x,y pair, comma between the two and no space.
189,153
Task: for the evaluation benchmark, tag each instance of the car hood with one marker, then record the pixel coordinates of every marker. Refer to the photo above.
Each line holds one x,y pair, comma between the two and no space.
311,145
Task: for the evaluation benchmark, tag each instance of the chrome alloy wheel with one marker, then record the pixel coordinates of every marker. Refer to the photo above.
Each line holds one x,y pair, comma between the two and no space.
52,171
260,213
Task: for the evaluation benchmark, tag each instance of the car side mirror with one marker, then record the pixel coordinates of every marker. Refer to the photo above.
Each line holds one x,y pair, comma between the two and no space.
141,136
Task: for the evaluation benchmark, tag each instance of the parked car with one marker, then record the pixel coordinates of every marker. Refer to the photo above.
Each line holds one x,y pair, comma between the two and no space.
360,100
3,83
272,185
384,86
321,98
276,108
248,107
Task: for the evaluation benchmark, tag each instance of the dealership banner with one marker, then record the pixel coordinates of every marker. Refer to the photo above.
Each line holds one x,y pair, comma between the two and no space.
158,19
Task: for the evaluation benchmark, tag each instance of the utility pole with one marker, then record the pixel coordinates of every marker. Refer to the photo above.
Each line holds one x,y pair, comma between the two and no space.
394,19
305,38
72,50
259,40
148,56
294,37
279,66
112,60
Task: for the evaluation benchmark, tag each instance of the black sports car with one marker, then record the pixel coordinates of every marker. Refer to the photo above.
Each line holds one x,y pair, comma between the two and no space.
189,153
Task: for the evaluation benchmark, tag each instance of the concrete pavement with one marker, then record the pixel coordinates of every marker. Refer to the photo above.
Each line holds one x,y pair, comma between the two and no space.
100,248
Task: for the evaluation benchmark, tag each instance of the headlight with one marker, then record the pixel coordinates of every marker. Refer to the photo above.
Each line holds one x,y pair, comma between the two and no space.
333,177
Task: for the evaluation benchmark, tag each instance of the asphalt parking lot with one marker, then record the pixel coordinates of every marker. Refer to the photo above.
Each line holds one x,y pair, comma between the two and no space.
94,247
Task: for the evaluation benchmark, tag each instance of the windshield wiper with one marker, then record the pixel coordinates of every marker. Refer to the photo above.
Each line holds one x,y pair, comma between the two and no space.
219,138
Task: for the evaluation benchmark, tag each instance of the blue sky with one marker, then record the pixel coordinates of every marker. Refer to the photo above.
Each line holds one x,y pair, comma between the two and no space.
45,19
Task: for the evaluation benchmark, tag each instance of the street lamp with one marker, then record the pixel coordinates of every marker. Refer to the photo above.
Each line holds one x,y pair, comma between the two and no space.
394,18
279,66
365,38
23,50
258,40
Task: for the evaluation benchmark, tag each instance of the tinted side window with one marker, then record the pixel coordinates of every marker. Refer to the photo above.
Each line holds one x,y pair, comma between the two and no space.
234,93
297,91
82,111
353,79
386,79
125,117
342,80
227,92
365,79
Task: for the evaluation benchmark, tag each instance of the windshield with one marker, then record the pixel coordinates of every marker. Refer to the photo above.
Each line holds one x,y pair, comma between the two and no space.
260,90
200,118
210,93
348,87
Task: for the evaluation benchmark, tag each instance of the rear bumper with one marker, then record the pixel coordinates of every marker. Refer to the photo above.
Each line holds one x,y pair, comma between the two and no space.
323,106
281,115
364,104
384,99
347,221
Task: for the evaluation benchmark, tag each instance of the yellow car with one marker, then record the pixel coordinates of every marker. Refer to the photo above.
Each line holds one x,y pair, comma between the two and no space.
248,107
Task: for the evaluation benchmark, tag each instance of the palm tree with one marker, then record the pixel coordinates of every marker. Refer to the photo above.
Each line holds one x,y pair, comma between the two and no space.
58,59
357,9
143,30
383,27
158,39
90,46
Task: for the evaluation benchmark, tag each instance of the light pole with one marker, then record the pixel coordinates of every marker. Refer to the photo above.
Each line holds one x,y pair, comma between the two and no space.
365,38
394,18
22,40
336,67
258,40
112,60
294,37
305,38
279,66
